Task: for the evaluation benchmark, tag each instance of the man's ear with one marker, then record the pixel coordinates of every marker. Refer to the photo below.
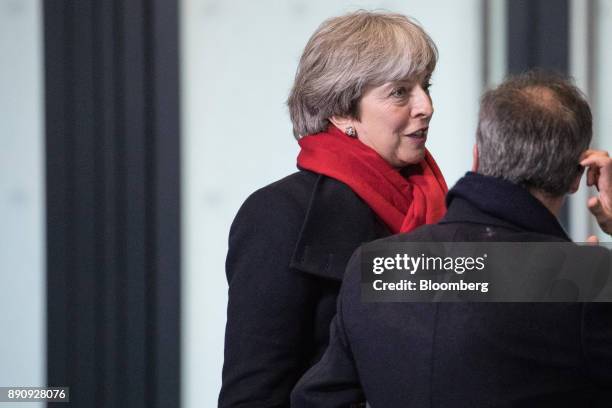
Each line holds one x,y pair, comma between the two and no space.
475,158
341,122
576,183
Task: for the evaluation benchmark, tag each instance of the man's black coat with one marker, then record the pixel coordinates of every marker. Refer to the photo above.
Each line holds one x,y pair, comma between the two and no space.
466,354
288,249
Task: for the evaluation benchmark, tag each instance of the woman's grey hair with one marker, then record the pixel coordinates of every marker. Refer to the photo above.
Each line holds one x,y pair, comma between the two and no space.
348,54
532,131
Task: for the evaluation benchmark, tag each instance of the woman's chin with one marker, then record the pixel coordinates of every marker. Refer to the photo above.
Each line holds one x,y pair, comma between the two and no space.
412,157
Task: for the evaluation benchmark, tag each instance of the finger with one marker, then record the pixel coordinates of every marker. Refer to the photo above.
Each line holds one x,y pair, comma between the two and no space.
598,160
595,207
584,155
592,240
602,215
590,152
605,177
590,178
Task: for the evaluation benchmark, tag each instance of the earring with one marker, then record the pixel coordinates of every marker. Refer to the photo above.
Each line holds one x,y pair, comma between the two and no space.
350,131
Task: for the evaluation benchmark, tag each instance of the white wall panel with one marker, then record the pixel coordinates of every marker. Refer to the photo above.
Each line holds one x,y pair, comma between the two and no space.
22,200
602,112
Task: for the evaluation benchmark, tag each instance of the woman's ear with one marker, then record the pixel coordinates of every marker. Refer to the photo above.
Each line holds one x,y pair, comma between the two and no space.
341,122
475,158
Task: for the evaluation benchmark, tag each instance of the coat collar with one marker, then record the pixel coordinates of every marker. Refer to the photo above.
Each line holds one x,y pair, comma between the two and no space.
491,200
337,221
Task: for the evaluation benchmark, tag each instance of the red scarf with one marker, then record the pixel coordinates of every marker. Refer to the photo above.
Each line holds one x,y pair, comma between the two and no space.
403,199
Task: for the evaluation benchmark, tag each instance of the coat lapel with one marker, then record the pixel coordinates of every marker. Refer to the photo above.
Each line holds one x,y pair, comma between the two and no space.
337,221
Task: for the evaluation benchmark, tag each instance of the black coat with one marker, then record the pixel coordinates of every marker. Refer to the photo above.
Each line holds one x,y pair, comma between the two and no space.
288,249
466,354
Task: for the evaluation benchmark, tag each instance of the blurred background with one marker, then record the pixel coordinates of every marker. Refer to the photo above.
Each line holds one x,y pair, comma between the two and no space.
132,131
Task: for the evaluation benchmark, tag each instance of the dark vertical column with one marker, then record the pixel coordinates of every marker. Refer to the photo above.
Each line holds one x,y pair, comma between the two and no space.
58,180
137,181
112,163
538,37
165,156
107,134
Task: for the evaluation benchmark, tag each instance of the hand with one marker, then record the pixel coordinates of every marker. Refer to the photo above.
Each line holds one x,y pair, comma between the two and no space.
599,174
593,240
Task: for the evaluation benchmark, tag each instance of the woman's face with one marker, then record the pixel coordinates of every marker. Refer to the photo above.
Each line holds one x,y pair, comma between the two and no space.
394,120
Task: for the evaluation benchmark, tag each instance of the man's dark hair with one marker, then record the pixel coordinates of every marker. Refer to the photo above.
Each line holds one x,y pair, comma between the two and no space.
532,130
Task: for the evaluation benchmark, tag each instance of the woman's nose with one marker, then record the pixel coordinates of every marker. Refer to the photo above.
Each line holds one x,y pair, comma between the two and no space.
422,106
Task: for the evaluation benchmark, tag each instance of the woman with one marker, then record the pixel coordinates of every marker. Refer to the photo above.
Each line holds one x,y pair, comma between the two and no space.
360,108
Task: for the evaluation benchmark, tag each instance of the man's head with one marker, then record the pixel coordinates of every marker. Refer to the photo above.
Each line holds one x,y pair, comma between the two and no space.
532,131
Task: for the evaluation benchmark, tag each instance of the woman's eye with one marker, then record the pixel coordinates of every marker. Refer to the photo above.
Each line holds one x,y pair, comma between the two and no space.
399,92
427,85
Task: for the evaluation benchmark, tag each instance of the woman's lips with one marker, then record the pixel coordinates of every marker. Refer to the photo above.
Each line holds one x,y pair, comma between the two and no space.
419,136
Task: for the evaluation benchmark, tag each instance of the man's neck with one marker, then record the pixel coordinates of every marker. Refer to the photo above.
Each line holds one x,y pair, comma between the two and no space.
553,204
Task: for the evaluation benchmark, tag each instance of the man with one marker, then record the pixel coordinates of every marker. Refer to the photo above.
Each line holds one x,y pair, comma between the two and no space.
534,131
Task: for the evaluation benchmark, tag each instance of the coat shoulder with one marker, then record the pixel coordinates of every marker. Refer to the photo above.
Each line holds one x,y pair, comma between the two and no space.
287,195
